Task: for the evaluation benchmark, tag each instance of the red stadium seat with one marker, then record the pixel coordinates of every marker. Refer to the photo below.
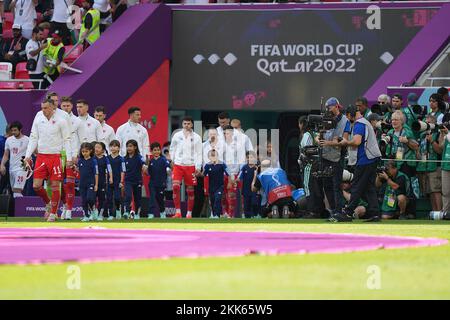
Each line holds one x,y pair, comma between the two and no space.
73,55
7,34
21,71
8,85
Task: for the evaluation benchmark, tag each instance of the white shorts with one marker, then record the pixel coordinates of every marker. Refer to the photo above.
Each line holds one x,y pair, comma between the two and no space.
17,179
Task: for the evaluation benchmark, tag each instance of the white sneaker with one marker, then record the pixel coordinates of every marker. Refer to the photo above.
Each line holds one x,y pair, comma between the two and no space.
243,216
94,214
110,218
150,216
68,214
136,217
188,215
100,218
162,215
51,217
126,215
85,219
63,214
118,215
214,217
258,216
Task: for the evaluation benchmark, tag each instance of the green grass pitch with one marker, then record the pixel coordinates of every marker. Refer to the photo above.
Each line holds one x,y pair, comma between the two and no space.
414,273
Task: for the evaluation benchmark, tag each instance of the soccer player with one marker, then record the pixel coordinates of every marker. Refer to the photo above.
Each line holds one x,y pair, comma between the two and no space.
49,135
133,130
92,128
118,169
77,134
15,148
135,166
186,152
108,131
157,170
215,171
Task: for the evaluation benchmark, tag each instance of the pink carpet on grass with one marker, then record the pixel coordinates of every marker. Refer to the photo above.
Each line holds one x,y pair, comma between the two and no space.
57,245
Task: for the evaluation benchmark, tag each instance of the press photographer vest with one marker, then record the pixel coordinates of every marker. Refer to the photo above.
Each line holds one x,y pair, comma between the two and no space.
334,154
371,147
275,183
390,199
427,153
446,155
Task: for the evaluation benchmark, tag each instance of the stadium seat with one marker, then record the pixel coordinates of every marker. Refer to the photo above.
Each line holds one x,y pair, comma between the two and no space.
22,73
73,55
8,21
8,85
5,70
7,34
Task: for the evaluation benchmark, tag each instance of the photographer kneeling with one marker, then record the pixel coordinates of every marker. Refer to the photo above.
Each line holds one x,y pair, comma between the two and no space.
398,193
363,184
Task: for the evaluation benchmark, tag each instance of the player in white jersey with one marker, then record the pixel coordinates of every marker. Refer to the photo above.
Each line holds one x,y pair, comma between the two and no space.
77,135
186,153
15,148
108,131
92,128
133,130
50,135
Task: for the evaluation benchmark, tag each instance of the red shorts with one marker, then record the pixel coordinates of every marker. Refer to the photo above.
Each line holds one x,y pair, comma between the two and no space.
48,166
186,172
71,173
233,188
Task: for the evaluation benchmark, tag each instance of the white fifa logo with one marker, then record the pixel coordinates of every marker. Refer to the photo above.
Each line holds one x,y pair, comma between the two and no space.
374,279
74,279
374,20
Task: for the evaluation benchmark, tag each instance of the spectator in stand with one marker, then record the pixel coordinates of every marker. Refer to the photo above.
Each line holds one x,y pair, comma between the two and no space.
1,16
117,8
90,27
443,91
60,18
24,15
34,49
103,7
13,50
46,8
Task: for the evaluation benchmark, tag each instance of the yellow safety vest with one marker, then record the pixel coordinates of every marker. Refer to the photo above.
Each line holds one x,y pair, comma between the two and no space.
51,52
95,29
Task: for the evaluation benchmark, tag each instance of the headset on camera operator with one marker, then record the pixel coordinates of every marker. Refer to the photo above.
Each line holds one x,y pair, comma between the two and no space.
333,155
363,184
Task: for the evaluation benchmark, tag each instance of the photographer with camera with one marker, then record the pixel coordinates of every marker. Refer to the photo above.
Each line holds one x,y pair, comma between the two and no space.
444,144
429,172
363,183
436,106
398,192
333,155
401,144
397,105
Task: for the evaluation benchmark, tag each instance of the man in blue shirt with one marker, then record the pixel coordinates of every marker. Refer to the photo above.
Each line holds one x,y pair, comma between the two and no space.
216,171
363,184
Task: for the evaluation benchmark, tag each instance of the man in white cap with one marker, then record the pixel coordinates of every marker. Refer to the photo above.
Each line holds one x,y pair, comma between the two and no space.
14,50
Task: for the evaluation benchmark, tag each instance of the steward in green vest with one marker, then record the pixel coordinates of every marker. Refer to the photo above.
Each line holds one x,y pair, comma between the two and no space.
53,56
90,27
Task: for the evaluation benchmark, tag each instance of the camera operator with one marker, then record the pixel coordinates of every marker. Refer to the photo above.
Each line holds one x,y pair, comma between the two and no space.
333,156
363,184
429,172
309,183
398,192
444,144
402,144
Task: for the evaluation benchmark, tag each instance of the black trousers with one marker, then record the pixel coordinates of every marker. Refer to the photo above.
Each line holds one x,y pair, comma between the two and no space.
332,185
363,187
36,77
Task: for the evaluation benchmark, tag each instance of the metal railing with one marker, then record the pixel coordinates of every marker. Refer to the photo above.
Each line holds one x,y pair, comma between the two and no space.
24,80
